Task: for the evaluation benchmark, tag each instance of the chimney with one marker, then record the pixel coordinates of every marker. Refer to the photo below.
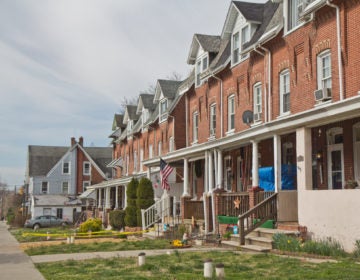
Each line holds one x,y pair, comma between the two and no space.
73,142
81,141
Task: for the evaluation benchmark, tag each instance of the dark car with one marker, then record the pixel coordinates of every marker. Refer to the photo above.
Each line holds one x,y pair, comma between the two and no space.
45,221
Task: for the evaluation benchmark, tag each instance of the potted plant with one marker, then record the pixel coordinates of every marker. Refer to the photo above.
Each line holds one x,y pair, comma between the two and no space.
351,184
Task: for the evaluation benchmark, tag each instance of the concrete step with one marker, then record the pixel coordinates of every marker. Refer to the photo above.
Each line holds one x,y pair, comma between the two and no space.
268,232
254,248
230,243
259,241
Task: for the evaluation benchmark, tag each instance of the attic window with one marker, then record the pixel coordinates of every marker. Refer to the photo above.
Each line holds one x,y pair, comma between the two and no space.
129,126
240,37
163,110
202,63
293,13
66,167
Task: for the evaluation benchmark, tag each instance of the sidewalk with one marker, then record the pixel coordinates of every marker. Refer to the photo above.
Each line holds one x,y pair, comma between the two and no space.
14,263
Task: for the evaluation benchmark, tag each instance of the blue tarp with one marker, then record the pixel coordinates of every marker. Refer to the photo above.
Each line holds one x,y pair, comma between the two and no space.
267,177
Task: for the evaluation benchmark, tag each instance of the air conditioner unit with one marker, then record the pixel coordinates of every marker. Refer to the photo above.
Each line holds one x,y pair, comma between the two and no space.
322,94
257,117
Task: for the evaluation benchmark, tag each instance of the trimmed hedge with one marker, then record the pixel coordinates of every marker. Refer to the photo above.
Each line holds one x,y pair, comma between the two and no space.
91,224
145,197
117,219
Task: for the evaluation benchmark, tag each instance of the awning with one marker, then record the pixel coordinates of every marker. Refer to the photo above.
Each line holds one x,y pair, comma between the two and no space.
86,193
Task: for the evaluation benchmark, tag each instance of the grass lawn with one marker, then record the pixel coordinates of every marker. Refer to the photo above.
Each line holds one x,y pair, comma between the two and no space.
190,266
64,248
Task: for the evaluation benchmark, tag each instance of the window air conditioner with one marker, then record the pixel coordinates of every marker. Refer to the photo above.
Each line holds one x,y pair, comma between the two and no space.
257,117
322,94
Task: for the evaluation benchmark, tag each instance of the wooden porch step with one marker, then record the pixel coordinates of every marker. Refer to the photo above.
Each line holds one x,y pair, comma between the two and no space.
254,248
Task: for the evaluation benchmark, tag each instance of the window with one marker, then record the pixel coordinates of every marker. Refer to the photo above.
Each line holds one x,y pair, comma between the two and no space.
324,70
163,110
59,213
245,35
257,102
85,185
171,144
231,113
150,151
87,168
294,10
66,167
44,187
65,187
201,65
159,148
236,48
135,161
144,116
129,126
284,85
212,120
141,158
228,173
195,126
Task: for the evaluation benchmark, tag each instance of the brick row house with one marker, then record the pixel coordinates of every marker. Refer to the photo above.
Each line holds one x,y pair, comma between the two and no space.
270,113
57,176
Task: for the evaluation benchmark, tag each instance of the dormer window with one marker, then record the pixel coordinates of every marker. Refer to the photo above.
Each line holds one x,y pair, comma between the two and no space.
144,116
236,48
129,126
202,63
163,110
241,35
293,12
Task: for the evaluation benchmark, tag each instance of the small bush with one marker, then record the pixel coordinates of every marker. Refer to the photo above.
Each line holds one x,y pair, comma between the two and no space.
324,247
91,225
286,243
130,217
117,219
131,190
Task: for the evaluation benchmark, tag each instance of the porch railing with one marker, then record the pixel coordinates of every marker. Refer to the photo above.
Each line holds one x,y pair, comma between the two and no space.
194,208
256,216
156,212
233,204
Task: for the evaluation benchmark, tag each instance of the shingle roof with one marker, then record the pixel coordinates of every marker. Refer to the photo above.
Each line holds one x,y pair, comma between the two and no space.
53,200
147,100
131,111
101,155
169,88
209,43
43,158
223,56
119,120
251,11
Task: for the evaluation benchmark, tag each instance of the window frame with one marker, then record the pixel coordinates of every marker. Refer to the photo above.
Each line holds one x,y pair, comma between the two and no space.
63,185
321,80
235,45
257,99
84,168
284,91
195,127
212,119
231,113
200,67
43,185
85,184
159,148
171,144
64,168
292,13
163,110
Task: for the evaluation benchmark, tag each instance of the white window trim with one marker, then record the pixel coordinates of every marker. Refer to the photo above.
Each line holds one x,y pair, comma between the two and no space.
288,30
47,187
320,66
62,187
255,105
84,163
69,167
159,148
282,91
163,115
150,151
226,170
129,126
85,184
195,127
198,70
212,120
171,144
231,129
239,33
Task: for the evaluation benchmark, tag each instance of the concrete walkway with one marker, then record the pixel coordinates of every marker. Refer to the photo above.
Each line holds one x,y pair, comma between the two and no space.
14,263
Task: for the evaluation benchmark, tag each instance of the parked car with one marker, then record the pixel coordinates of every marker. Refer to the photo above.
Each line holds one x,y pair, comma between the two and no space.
45,221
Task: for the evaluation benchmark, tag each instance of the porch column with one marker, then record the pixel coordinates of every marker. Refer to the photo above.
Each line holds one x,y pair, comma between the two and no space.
206,173
255,164
149,173
219,169
211,172
303,158
116,197
277,162
107,197
186,177
100,198
124,197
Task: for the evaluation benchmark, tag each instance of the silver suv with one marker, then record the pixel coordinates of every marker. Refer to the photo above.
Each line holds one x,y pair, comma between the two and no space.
45,221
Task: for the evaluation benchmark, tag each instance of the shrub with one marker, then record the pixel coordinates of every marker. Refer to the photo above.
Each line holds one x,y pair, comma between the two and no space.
131,191
91,224
356,252
117,219
324,247
130,216
145,196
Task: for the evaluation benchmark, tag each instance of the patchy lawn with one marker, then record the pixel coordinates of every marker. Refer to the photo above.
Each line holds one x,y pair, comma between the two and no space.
189,265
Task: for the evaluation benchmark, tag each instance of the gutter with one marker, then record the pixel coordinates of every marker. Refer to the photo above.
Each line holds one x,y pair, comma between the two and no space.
269,80
266,97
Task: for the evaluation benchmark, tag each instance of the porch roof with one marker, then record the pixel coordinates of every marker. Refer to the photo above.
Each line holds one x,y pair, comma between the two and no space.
86,193
116,182
320,115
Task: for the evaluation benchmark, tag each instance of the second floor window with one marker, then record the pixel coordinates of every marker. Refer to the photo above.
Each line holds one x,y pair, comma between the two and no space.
257,102
195,126
171,144
66,167
284,86
44,187
236,48
150,151
159,148
163,110
231,113
87,168
65,187
324,70
294,10
212,120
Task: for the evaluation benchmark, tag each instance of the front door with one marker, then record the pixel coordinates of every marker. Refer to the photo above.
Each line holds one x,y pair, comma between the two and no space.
239,175
336,166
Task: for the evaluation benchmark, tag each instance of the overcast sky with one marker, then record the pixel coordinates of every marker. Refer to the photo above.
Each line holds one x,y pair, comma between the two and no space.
66,65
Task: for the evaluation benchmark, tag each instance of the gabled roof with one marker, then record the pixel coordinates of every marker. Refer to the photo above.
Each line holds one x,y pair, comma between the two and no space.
130,113
41,159
145,101
209,43
101,156
167,88
118,122
53,200
252,12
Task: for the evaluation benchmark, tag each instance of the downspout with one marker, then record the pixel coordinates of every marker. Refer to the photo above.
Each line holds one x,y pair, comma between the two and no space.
269,81
173,129
338,34
221,104
186,120
266,101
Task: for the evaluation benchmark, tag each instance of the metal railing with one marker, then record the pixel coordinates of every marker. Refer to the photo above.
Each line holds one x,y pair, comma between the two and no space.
256,216
156,212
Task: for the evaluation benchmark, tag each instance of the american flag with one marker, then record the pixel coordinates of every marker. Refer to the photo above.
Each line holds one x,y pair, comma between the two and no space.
165,171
